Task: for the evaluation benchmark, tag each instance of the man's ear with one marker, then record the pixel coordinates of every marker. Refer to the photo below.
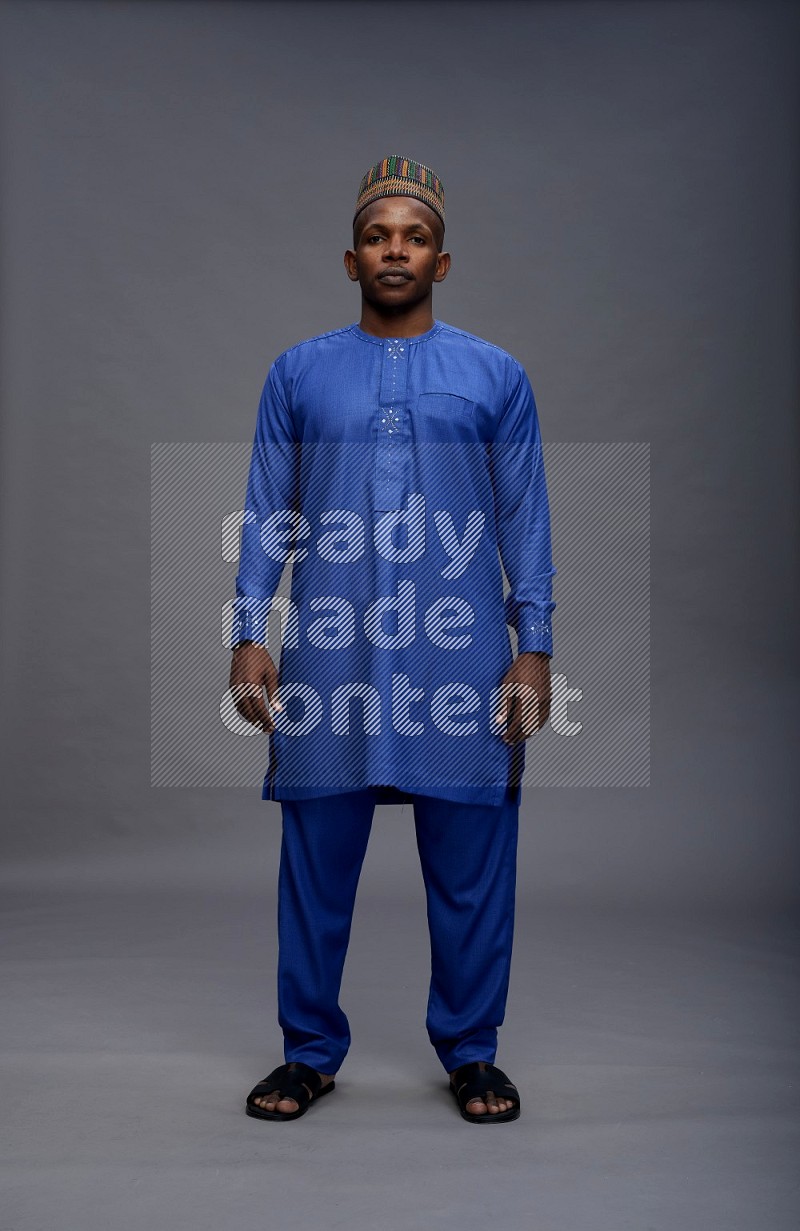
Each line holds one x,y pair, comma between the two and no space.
351,265
442,267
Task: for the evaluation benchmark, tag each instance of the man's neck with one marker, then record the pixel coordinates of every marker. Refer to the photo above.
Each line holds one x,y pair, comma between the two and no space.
396,324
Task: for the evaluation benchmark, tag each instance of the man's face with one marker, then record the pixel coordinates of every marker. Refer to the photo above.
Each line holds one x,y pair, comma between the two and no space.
396,257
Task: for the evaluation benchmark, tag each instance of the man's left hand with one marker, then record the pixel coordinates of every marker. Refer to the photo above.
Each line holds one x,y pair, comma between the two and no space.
525,711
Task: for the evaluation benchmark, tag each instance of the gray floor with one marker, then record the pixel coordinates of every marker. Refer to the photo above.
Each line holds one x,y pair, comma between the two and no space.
655,1054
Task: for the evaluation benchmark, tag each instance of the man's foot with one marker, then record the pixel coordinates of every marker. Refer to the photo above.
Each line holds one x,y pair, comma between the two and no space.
494,1103
272,1101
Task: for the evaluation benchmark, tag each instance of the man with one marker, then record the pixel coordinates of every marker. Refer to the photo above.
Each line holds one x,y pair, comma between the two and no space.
392,460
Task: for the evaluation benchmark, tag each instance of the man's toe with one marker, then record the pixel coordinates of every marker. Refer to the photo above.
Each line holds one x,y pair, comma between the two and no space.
492,1105
274,1102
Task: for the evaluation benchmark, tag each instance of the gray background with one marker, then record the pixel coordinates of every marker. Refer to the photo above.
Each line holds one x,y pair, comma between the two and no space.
177,184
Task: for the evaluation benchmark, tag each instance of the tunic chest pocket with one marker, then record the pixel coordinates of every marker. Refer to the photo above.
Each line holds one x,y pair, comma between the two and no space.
445,415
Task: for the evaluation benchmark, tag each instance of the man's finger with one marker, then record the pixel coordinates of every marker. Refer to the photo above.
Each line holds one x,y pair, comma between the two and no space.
511,724
249,701
274,701
530,716
501,715
256,715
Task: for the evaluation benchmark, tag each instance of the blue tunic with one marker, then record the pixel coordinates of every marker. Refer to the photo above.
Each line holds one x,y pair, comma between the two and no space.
395,475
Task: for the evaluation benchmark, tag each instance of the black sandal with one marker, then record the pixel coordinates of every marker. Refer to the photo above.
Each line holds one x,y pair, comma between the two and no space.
473,1081
294,1080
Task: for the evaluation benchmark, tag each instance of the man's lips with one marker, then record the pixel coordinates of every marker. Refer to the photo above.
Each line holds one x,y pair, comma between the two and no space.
394,276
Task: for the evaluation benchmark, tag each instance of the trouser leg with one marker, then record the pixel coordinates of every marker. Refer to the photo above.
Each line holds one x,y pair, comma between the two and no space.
468,854
322,851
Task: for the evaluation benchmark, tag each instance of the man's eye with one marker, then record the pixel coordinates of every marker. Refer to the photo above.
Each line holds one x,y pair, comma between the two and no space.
373,239
417,239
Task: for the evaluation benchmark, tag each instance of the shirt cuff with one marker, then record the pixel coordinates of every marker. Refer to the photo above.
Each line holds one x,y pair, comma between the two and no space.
250,620
534,635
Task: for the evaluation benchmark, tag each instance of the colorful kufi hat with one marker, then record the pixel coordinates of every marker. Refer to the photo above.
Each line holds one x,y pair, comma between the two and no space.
401,177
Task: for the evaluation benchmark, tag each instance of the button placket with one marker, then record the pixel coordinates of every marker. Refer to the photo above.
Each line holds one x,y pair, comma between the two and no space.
388,474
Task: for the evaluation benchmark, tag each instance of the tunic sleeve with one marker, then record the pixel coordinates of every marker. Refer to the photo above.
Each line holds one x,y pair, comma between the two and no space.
523,517
271,512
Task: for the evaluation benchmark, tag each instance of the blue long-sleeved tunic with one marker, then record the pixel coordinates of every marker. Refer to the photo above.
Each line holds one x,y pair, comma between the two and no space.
389,471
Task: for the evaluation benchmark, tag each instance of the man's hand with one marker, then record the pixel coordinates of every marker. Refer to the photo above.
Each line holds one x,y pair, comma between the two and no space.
527,710
252,670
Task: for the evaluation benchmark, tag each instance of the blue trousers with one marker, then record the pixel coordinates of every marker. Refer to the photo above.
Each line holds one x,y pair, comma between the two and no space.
468,855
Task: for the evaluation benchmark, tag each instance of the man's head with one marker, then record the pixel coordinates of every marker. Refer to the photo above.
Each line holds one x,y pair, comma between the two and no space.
398,235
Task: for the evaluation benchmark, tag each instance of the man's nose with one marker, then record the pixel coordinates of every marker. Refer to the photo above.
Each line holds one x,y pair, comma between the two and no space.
395,249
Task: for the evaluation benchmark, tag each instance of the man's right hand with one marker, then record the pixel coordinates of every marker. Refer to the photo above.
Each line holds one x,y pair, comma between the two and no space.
252,670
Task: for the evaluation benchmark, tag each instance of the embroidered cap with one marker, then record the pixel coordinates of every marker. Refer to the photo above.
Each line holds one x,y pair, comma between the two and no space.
401,177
